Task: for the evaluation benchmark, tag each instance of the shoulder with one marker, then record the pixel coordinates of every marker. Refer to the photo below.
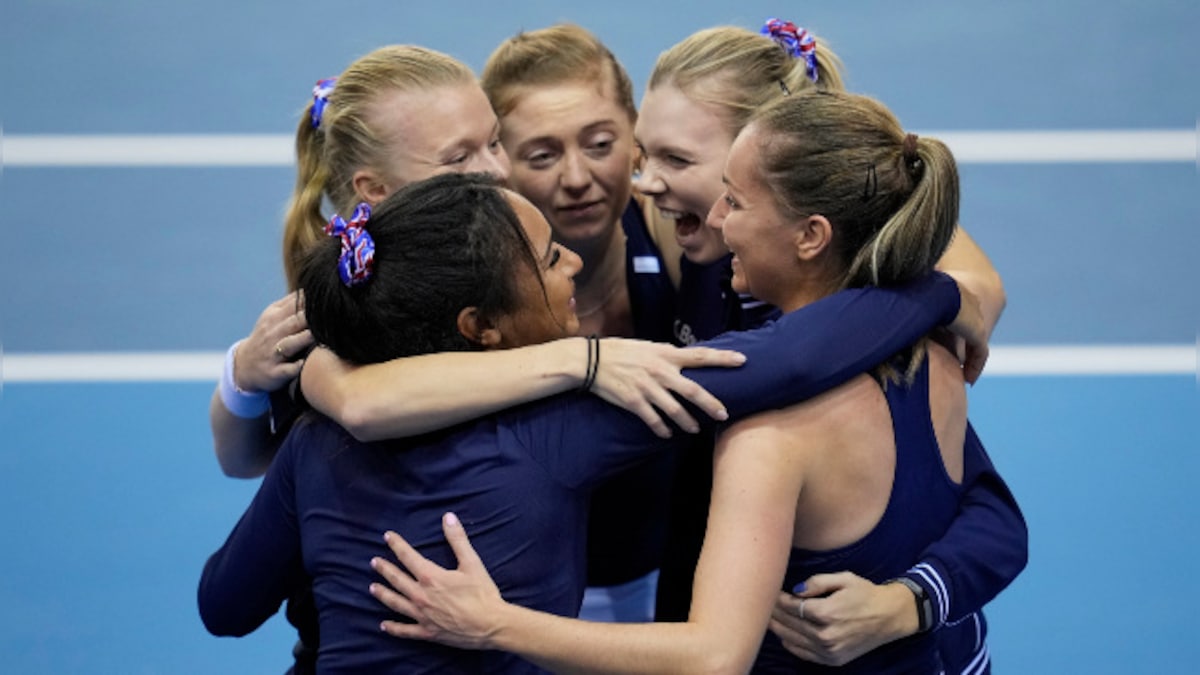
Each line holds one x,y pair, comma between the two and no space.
814,421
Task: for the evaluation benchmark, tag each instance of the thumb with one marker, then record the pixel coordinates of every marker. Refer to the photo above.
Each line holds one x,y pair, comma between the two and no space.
459,542
820,585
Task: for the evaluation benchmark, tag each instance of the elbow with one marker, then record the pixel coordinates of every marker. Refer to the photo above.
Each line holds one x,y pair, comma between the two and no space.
222,618
721,661
357,422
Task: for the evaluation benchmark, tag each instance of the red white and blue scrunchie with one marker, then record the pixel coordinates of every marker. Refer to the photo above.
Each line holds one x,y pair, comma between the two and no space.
796,41
321,93
358,248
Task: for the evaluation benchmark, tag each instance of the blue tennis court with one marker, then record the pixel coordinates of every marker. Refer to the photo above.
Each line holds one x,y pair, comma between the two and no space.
110,499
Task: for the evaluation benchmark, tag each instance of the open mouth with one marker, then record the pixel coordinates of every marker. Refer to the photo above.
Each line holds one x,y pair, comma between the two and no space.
686,224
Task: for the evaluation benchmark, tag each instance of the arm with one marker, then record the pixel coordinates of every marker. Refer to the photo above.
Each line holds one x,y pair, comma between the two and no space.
259,566
969,265
423,393
825,343
238,414
745,554
984,549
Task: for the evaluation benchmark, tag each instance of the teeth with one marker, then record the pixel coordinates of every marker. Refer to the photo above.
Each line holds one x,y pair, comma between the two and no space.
673,215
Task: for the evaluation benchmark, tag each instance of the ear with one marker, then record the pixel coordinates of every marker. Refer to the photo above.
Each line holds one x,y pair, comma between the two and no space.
814,235
477,329
370,186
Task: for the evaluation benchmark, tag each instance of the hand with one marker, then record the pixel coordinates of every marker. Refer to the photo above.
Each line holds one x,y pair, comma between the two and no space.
264,360
845,616
972,327
639,376
450,606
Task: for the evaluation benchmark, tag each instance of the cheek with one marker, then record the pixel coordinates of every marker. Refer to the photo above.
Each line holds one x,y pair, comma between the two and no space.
536,186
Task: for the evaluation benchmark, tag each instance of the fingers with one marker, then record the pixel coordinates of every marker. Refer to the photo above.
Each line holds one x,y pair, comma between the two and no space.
700,357
698,396
418,566
411,631
459,542
974,363
822,584
394,601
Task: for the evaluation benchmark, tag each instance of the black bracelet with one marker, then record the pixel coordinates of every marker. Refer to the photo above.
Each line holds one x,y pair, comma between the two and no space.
593,362
924,604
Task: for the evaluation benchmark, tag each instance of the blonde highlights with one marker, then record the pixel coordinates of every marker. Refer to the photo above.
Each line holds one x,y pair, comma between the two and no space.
550,56
891,198
347,140
740,71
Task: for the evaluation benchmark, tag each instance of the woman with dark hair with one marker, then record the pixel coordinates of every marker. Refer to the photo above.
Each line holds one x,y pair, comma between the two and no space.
457,263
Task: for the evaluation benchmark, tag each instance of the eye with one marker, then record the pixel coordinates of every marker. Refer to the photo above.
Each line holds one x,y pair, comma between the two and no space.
540,159
459,159
729,200
555,255
494,144
677,162
601,145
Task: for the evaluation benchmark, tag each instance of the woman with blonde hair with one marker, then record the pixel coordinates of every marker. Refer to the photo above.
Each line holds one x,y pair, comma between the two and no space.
824,191
702,92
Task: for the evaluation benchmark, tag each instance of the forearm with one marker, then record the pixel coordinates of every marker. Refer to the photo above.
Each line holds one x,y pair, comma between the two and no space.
824,344
970,266
243,446
433,391
565,645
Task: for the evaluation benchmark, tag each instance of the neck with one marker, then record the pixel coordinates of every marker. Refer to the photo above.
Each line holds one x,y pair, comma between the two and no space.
810,288
603,272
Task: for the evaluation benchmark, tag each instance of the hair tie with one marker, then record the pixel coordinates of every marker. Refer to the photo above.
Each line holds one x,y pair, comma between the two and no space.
321,94
796,41
358,248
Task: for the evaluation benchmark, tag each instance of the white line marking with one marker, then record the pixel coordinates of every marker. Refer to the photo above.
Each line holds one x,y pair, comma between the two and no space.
1010,361
246,150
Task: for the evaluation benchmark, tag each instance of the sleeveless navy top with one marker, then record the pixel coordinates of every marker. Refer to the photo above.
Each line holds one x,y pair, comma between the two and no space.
923,503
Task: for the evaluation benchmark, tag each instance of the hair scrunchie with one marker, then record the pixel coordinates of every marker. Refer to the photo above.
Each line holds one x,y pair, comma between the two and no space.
358,248
321,93
797,42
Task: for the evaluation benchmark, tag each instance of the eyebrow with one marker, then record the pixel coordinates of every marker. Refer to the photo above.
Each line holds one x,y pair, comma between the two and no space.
548,139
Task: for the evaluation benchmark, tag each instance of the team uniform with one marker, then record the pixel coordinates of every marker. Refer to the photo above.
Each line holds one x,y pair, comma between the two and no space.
923,502
519,480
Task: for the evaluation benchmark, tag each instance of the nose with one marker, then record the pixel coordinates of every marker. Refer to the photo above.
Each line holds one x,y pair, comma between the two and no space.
572,263
649,182
495,164
575,175
716,214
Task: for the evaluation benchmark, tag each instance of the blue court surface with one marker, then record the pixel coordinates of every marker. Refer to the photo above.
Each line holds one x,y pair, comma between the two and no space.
111,500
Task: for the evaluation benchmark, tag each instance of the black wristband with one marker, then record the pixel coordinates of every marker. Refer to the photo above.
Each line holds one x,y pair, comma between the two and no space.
924,604
593,362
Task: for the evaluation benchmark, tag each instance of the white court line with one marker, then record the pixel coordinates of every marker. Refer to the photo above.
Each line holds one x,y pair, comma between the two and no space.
1018,361
248,150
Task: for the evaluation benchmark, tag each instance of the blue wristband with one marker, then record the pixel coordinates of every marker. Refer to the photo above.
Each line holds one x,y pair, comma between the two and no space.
243,404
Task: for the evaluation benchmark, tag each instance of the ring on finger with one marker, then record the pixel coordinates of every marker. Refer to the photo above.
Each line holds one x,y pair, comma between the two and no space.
800,608
279,350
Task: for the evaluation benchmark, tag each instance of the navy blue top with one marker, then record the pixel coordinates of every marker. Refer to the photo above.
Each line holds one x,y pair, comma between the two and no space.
923,502
627,529
519,480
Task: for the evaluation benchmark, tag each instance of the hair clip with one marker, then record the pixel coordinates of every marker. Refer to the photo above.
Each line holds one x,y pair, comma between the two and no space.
796,41
321,94
358,248
872,184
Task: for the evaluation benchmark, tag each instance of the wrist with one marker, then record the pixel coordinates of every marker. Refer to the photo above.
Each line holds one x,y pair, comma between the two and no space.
240,403
916,615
